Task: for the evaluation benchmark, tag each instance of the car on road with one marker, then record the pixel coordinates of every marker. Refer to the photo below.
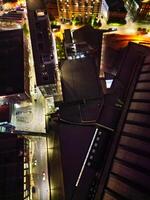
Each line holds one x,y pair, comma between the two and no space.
35,162
40,13
43,176
142,31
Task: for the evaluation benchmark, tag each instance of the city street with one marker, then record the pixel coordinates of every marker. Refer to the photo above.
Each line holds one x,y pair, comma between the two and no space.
54,162
39,168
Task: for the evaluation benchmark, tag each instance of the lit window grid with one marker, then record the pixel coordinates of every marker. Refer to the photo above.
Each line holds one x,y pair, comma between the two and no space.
26,186
26,170
72,8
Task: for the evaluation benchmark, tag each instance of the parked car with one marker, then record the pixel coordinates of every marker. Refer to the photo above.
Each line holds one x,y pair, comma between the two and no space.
142,30
40,13
35,162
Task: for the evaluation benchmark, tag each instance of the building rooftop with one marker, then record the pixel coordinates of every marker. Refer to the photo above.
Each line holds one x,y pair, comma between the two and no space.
11,62
75,138
116,5
125,174
42,48
77,85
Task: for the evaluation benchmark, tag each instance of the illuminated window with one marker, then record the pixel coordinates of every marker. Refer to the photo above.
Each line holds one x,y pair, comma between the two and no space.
109,83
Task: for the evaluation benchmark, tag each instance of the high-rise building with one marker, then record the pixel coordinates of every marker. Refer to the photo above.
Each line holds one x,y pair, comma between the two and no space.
139,10
80,10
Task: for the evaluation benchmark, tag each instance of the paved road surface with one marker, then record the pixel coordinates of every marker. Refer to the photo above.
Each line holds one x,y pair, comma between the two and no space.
39,154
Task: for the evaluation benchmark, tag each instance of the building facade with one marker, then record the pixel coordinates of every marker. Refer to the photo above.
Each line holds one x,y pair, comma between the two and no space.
139,10
78,10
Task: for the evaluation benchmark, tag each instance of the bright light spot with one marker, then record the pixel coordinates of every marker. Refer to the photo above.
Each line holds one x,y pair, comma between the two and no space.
69,57
40,13
18,26
43,176
82,55
57,108
109,83
138,38
130,30
77,56
17,105
148,34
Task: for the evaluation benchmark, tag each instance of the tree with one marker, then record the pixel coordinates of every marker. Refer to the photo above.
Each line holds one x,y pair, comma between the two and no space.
76,20
96,22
